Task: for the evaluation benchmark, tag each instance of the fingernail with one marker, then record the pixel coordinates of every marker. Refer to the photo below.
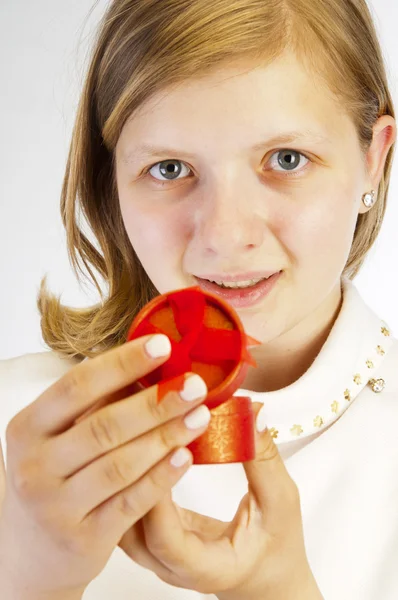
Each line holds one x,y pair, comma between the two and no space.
180,457
261,421
159,345
194,388
198,418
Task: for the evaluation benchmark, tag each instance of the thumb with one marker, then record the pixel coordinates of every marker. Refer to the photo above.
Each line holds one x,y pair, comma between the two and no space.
267,476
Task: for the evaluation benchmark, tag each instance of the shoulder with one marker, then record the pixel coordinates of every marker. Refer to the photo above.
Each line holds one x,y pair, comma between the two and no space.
33,370
380,402
388,370
24,378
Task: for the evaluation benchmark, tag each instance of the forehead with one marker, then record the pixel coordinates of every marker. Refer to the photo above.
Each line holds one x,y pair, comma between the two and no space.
238,101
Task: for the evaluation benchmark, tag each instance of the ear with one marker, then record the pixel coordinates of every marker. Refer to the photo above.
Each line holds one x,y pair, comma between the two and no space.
384,135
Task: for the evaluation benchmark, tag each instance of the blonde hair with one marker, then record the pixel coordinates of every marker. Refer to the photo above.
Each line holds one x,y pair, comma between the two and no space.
145,46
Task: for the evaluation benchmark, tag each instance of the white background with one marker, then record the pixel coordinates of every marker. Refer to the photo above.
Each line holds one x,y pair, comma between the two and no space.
43,47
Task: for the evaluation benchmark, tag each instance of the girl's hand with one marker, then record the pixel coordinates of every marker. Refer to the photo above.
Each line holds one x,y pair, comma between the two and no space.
260,555
78,478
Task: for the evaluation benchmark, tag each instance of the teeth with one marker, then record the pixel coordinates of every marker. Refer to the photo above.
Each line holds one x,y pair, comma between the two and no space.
239,284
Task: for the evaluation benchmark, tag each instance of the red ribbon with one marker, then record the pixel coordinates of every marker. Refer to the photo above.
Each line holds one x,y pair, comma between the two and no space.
198,342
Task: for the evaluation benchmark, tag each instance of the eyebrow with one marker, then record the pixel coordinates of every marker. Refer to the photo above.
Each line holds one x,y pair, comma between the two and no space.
146,150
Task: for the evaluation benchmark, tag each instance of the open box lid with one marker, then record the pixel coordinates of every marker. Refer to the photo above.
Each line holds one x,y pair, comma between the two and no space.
207,337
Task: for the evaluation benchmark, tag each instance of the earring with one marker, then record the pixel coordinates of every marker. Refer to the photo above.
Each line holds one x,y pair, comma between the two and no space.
369,199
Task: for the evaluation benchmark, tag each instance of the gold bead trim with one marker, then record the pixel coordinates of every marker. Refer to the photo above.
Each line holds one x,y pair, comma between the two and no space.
377,386
296,430
318,421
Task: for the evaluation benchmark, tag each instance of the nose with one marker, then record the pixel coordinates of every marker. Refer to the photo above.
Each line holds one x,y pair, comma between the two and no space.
227,226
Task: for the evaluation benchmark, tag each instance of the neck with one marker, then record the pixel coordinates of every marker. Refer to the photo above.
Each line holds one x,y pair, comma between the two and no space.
286,358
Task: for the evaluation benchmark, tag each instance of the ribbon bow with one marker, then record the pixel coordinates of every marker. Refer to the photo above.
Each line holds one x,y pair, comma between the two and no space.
198,342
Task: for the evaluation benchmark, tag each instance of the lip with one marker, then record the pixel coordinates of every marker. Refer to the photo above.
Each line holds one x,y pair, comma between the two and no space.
245,297
238,276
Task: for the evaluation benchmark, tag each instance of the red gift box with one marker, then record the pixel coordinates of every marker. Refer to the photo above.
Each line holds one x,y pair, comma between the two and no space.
207,337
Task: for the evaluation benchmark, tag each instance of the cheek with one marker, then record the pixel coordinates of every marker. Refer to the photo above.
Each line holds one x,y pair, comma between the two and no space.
322,232
153,230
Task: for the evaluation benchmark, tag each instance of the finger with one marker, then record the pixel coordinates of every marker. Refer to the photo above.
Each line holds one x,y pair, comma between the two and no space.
207,528
81,387
269,481
133,544
192,557
165,535
124,392
204,526
113,518
119,423
178,549
190,521
195,556
2,476
121,467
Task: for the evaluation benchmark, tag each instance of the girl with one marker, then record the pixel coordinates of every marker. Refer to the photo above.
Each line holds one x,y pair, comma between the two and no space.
245,147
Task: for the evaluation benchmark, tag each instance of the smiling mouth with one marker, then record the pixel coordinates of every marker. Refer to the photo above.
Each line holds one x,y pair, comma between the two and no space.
241,294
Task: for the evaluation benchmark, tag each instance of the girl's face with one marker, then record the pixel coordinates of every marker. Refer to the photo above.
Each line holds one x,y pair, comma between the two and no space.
214,204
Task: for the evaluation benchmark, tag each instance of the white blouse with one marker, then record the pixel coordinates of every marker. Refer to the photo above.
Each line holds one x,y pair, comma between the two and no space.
336,429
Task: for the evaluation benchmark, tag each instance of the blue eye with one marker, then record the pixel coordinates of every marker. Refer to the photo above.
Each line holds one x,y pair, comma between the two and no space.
168,169
287,159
